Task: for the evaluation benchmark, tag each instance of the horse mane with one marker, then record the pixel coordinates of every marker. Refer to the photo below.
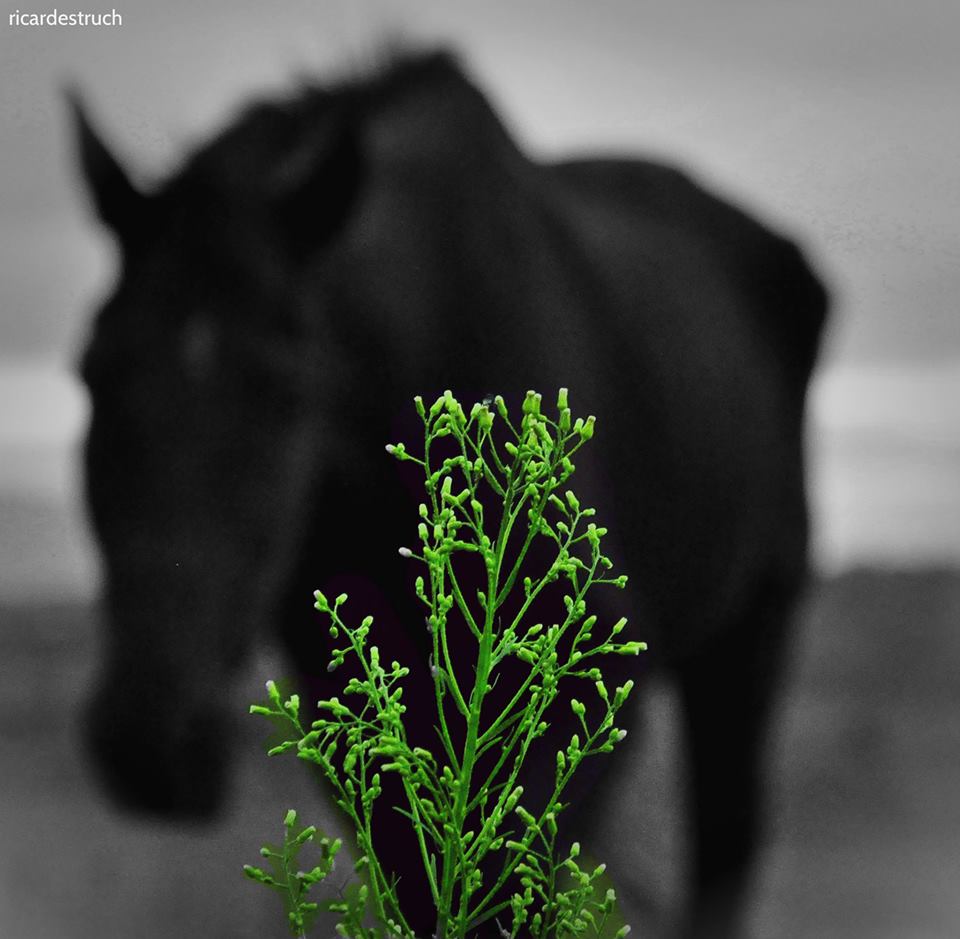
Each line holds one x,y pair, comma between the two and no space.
266,132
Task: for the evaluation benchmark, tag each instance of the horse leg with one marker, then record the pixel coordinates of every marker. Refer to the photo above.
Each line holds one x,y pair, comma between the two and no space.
727,694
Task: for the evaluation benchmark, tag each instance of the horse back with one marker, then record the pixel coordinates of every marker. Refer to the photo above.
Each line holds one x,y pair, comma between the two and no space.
781,297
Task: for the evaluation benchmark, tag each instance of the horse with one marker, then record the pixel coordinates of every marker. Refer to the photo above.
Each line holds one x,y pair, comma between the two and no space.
336,251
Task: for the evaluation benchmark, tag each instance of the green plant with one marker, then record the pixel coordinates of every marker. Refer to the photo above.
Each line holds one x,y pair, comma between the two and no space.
463,799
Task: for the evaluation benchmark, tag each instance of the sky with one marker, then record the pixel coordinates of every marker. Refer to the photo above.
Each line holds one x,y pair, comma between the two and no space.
834,121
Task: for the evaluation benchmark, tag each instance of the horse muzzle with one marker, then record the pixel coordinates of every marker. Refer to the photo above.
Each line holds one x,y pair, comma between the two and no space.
167,760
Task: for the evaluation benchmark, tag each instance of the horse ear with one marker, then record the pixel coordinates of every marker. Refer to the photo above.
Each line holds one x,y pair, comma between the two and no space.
119,204
317,190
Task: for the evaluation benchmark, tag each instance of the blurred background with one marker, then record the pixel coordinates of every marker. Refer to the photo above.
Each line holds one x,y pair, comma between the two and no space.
830,120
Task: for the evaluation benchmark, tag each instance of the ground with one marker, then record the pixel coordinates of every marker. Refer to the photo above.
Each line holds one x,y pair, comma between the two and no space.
864,841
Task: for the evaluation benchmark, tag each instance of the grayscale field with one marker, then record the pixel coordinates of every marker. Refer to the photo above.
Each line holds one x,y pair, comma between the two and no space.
864,839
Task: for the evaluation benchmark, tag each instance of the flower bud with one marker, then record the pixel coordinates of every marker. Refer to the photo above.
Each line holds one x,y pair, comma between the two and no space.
525,817
622,693
513,799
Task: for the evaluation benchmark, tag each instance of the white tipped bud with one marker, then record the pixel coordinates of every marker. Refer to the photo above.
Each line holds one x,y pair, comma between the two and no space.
405,552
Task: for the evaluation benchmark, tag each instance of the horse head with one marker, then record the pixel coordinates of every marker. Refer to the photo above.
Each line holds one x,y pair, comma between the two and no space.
203,440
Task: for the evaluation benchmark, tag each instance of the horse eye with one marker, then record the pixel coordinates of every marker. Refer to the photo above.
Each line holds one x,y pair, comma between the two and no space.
198,347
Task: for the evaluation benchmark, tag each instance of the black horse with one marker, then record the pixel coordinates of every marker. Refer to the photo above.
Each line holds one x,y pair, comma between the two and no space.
327,257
